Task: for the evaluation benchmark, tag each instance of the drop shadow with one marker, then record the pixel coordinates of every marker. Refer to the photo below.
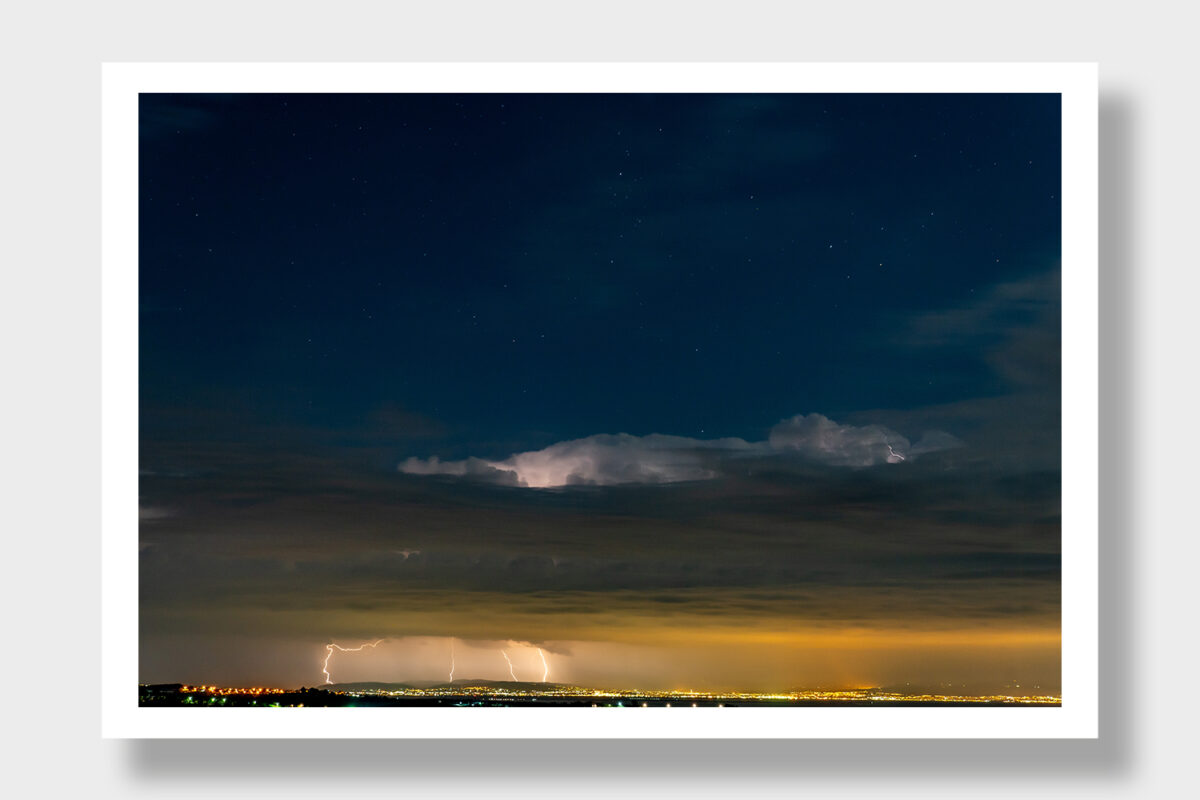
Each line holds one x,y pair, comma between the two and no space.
1112,755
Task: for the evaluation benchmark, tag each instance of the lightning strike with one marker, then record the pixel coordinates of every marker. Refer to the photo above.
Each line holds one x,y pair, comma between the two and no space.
510,666
546,667
329,648
451,661
893,454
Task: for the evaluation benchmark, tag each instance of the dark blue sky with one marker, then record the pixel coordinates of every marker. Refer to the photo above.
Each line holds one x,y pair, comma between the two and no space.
490,273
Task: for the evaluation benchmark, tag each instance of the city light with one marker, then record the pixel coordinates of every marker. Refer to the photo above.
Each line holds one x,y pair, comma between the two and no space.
487,693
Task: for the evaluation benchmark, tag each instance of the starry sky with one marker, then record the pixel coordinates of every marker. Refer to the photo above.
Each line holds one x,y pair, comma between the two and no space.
735,391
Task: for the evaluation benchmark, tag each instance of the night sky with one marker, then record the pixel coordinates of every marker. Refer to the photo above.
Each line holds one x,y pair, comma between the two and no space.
730,391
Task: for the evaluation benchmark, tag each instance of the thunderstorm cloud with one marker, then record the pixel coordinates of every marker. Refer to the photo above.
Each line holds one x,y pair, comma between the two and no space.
614,459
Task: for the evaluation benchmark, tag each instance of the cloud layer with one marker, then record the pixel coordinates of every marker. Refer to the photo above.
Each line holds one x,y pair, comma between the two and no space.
608,459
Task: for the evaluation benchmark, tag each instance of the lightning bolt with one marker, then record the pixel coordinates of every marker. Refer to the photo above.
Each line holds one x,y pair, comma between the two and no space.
510,667
893,452
546,667
329,648
451,661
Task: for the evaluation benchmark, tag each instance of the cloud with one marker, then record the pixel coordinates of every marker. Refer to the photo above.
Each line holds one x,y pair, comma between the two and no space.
613,459
152,513
601,460
822,439
780,543
933,441
165,115
1015,327
468,468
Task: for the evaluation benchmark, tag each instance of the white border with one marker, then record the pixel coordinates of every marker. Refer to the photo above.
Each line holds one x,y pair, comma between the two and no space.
121,717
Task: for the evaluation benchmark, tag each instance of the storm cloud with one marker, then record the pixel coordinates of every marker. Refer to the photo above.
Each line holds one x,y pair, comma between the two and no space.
613,459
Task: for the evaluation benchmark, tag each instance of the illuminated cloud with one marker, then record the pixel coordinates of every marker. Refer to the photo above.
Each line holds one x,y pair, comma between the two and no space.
820,438
933,441
608,459
601,460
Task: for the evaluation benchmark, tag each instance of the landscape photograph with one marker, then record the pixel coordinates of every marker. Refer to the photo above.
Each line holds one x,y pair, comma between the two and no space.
599,400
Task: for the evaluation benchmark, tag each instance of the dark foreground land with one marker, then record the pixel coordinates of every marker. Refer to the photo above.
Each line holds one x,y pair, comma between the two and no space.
512,693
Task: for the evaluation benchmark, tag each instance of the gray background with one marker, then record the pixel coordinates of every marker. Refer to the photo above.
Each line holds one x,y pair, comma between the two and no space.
50,308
